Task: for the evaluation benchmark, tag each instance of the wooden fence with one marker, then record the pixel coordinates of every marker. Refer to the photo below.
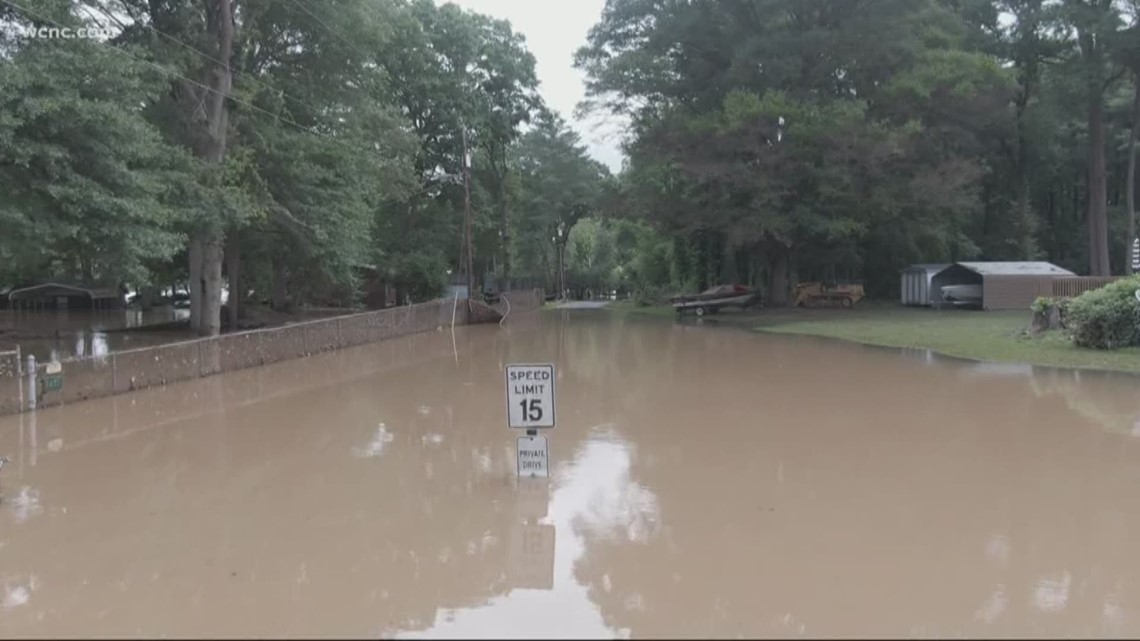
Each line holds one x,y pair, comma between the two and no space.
1070,286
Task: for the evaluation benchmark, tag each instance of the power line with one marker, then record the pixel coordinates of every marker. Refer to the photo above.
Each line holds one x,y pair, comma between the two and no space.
330,29
205,55
167,71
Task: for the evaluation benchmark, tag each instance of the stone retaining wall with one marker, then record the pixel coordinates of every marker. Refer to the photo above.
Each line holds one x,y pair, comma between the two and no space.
120,372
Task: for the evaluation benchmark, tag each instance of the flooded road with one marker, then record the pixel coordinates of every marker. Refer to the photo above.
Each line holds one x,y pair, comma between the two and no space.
54,335
704,482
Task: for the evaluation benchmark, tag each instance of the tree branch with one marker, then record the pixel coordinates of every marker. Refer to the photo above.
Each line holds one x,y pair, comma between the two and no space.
86,7
1116,75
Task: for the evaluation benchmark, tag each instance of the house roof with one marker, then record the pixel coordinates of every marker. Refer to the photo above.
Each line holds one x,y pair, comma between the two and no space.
926,267
1016,268
62,289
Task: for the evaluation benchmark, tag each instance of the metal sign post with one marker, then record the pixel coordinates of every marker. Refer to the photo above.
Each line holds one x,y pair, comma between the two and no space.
530,406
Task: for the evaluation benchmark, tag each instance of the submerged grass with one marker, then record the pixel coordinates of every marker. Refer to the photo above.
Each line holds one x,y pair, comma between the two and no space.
997,336
628,306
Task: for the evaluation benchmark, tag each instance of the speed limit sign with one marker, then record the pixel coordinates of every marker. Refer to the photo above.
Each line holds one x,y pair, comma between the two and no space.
530,395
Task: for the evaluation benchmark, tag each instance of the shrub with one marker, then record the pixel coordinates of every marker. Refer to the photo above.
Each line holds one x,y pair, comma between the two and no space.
1063,305
1049,313
1106,318
648,295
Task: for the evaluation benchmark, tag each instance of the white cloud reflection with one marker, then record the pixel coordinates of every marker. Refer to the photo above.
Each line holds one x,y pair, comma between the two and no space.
593,495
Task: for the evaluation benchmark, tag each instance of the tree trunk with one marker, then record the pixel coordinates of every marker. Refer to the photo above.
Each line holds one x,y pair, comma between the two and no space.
710,263
1025,224
778,275
233,272
1097,200
505,216
750,267
146,297
195,257
278,301
212,149
86,269
1130,178
1028,73
728,268
211,321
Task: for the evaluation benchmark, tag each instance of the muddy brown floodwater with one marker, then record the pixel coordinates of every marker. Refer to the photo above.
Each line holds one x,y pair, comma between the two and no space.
54,335
704,482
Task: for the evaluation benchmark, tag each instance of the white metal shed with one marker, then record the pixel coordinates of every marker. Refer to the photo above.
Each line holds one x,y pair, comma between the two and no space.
915,285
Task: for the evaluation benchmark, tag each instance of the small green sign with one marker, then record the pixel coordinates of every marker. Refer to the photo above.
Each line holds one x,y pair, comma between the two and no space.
53,382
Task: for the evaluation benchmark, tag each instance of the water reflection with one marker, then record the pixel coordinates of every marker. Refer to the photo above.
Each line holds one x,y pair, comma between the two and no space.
375,446
1112,614
593,495
25,504
1099,396
997,549
17,591
530,562
994,606
1105,398
1051,594
70,333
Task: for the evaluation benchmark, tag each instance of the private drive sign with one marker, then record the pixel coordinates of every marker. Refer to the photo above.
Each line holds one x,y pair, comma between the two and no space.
530,396
533,457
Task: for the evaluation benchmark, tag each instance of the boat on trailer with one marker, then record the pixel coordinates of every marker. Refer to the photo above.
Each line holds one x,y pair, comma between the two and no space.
713,299
962,294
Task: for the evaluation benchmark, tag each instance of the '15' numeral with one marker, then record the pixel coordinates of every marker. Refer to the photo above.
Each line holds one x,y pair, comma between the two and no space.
532,409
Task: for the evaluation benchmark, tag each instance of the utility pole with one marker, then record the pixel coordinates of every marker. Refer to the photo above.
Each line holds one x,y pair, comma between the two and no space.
467,217
561,246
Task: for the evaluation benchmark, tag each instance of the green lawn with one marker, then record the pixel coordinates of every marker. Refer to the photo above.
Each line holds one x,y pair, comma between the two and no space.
629,307
986,336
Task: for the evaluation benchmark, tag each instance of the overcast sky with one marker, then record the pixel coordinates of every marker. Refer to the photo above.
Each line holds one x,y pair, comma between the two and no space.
554,29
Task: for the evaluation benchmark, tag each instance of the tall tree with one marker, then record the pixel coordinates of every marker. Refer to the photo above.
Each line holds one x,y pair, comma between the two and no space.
90,189
1127,50
338,149
1027,42
1130,178
718,167
453,71
558,185
196,114
1094,23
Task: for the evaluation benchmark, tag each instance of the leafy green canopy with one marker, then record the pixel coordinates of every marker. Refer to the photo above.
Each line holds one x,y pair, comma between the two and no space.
89,186
837,139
